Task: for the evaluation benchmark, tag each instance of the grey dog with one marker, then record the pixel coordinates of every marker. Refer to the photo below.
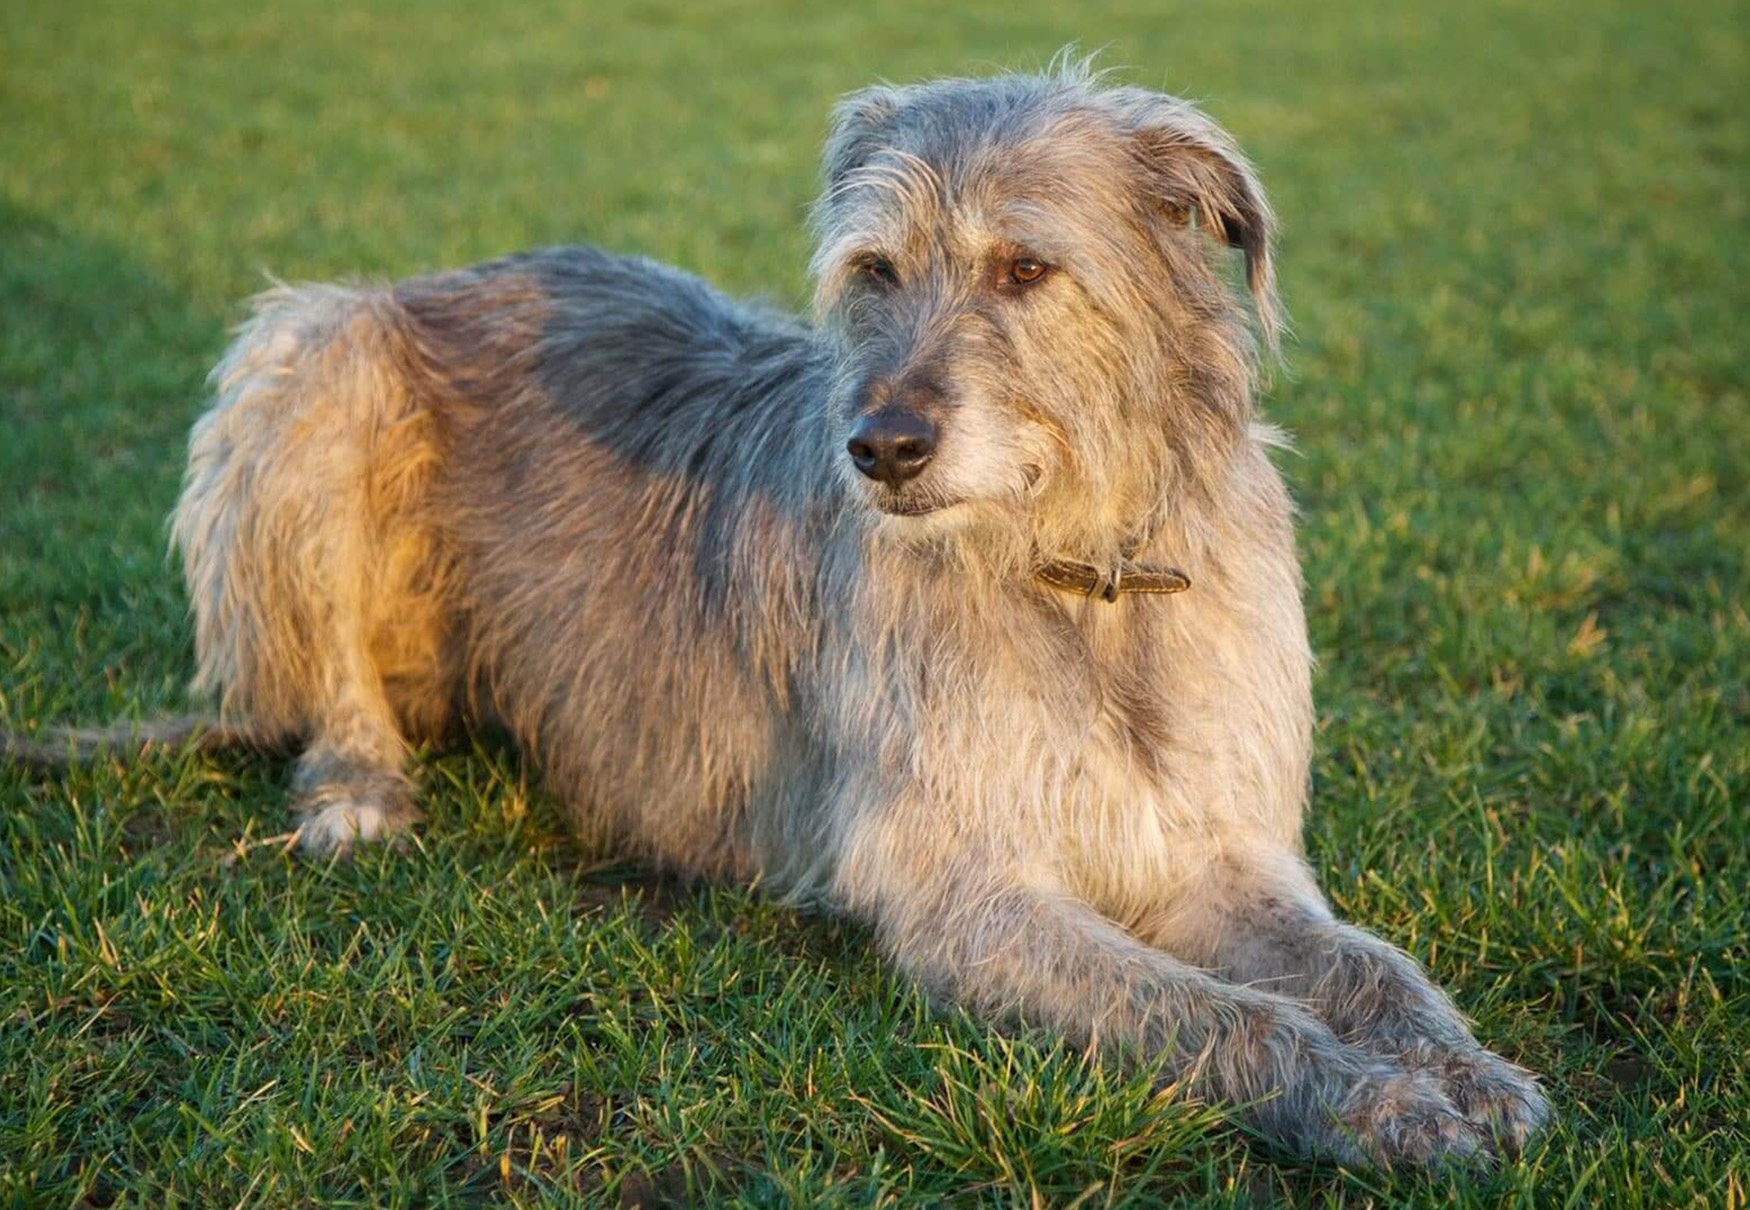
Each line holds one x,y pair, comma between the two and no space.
970,608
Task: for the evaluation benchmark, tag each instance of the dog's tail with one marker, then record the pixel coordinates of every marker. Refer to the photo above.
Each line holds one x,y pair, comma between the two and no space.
57,749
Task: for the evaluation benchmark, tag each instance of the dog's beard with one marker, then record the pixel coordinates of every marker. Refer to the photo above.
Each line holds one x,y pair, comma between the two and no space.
935,518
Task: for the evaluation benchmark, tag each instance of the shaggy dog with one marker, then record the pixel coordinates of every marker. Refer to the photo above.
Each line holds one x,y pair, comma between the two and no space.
970,609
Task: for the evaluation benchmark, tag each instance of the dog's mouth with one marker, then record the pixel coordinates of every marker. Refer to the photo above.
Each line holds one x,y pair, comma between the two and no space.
901,507
924,502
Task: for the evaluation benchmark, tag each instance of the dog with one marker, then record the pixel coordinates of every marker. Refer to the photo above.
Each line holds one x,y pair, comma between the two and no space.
969,607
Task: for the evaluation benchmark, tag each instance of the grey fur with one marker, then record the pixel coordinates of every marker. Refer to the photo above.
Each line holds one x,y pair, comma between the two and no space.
594,500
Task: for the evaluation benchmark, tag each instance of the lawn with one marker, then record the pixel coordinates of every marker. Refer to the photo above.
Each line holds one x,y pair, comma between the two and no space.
1516,250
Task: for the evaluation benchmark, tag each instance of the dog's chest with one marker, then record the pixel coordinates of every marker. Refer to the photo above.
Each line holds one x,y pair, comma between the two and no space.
1152,790
1126,830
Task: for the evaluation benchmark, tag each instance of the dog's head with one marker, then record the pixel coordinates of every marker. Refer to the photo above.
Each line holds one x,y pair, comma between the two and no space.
1025,273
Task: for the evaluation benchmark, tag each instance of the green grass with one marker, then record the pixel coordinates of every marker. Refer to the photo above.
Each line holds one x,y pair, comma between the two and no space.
1517,250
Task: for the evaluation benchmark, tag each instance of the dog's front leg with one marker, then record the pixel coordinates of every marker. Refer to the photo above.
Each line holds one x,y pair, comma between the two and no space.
1261,920
985,936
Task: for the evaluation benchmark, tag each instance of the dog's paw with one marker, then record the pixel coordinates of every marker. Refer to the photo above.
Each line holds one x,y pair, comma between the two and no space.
1403,1118
1503,1101
333,819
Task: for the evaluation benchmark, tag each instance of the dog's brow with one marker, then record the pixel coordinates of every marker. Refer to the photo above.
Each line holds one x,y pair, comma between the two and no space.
838,259
1036,238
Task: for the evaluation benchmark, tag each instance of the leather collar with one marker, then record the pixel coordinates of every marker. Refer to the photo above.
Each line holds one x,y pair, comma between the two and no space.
1089,581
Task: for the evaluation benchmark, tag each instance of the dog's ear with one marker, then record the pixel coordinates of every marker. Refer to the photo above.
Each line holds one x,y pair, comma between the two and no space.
1195,171
858,122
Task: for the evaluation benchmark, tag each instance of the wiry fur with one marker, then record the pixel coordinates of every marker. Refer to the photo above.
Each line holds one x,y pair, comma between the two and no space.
595,501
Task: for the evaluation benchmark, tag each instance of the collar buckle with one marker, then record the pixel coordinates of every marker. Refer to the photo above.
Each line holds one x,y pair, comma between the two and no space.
1086,580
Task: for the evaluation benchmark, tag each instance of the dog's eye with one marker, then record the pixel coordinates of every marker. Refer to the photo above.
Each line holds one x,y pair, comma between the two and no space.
1024,271
878,269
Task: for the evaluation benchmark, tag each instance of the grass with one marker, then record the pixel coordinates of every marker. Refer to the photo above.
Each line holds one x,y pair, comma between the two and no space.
1517,253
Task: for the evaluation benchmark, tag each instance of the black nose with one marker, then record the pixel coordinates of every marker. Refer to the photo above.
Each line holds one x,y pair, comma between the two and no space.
892,445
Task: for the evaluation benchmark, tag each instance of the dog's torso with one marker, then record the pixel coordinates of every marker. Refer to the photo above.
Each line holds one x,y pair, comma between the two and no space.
718,660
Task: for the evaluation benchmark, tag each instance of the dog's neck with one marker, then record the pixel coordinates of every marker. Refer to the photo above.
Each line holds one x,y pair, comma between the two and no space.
1154,517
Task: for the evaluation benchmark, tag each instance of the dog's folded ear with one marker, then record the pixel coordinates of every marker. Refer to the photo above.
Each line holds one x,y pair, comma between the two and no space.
856,130
1195,169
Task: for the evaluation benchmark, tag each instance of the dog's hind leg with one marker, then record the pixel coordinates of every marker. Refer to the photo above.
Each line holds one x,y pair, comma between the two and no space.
351,781
315,576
